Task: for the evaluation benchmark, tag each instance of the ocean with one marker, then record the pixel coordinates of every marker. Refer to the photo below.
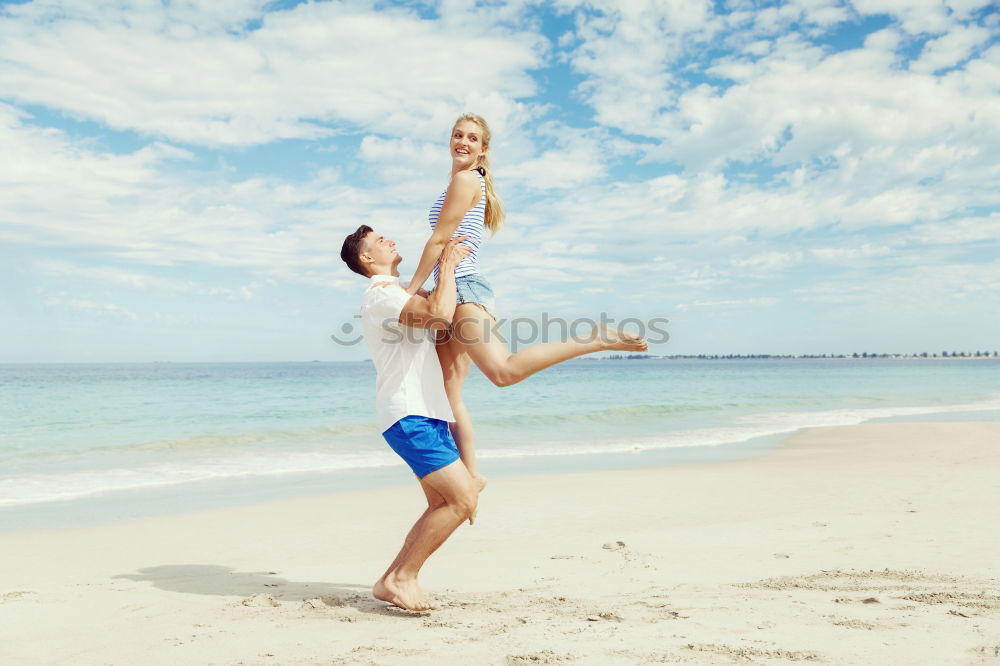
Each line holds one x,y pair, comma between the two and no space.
90,443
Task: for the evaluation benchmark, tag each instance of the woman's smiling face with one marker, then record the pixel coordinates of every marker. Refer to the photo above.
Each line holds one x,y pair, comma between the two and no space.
466,144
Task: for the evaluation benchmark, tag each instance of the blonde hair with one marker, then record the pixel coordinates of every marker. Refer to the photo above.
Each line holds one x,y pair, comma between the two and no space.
493,218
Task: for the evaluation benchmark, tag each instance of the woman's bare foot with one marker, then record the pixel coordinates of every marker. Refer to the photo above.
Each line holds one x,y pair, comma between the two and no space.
612,340
480,482
404,594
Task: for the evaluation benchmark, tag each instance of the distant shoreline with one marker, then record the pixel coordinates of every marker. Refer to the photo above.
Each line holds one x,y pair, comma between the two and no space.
964,356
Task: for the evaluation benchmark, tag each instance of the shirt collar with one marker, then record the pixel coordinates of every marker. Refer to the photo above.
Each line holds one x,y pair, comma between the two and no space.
376,279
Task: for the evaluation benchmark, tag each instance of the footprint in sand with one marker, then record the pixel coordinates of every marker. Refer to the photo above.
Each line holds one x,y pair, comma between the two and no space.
987,651
543,657
261,601
851,623
18,594
748,653
324,602
608,616
626,553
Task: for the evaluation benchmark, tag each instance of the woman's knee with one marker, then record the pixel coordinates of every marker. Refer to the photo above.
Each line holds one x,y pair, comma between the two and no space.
501,377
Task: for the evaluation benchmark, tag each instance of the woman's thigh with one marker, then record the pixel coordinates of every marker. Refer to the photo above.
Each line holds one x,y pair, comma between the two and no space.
479,336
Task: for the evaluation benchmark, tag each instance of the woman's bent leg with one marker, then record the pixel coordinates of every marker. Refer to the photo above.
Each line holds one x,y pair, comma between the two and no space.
455,365
473,329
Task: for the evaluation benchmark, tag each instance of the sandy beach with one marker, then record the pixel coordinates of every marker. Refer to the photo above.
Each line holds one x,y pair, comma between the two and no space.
870,544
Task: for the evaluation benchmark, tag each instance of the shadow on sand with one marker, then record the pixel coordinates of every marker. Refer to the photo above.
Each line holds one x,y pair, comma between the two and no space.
227,582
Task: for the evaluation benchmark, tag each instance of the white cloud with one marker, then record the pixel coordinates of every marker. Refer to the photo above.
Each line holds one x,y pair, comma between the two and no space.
407,168
184,71
783,154
144,15
963,9
950,49
857,140
139,208
963,230
625,51
727,303
580,157
770,262
705,204
939,288
121,277
914,16
849,254
813,15
834,106
88,307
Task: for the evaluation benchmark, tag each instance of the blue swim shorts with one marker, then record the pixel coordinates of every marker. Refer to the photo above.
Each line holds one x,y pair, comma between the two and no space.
424,443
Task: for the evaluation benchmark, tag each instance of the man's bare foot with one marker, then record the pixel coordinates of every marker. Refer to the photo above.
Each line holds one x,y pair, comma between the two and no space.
404,594
612,340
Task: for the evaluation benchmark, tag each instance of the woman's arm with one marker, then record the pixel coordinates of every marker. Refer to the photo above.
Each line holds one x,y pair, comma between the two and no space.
459,198
438,310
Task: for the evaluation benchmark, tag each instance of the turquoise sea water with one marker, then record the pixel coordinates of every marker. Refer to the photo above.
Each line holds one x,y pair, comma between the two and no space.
90,443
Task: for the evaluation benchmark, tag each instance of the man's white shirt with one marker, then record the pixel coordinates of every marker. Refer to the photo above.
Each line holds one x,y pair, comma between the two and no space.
409,380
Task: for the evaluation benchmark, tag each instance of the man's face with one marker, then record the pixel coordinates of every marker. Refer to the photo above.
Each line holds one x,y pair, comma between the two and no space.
380,249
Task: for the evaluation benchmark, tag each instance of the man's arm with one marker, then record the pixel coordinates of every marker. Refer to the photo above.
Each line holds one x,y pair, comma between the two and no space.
437,310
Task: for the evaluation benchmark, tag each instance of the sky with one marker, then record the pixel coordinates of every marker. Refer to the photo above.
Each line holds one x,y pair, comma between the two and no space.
813,176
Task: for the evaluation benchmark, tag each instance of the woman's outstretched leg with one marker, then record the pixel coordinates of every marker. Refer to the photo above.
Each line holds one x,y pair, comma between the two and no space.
473,330
455,364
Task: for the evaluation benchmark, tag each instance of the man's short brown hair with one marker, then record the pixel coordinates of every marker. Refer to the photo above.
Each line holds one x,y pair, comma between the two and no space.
351,250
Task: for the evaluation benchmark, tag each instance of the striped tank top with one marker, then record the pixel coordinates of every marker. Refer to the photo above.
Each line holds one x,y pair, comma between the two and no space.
472,225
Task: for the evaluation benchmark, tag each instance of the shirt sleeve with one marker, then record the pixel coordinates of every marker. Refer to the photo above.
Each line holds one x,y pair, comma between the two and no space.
384,303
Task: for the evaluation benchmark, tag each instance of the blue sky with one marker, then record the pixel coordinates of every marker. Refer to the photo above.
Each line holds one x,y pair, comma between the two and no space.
814,176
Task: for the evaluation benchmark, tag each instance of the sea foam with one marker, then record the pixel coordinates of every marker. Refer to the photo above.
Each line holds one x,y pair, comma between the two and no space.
33,488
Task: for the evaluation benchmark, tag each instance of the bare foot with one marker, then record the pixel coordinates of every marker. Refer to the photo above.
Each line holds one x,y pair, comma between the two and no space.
613,340
404,594
480,482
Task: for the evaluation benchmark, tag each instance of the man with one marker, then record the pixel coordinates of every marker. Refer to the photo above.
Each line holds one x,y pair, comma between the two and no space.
412,406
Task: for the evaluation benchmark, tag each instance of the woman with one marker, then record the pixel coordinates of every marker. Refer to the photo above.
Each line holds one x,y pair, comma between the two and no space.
468,208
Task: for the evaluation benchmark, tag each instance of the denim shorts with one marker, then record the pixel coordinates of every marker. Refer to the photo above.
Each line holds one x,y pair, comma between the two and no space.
475,289
424,443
